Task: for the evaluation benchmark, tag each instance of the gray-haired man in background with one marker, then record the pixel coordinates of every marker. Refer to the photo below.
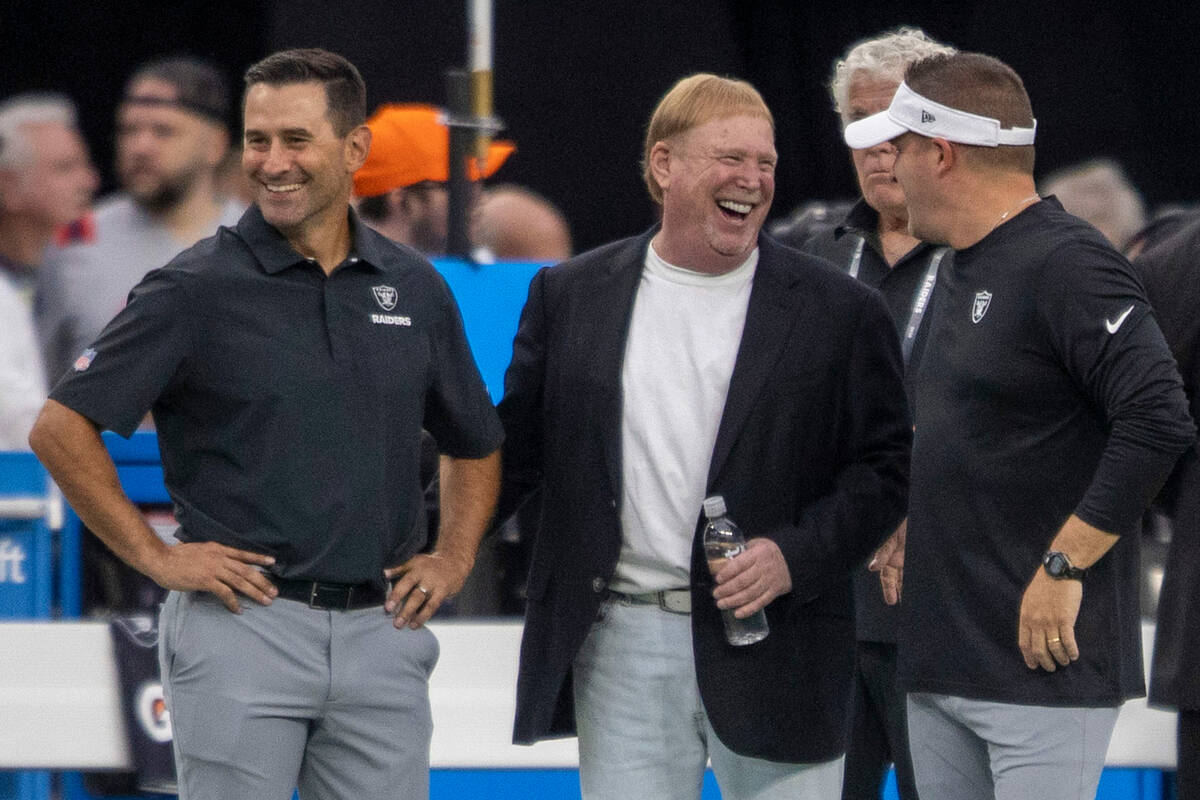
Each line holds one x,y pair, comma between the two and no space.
872,243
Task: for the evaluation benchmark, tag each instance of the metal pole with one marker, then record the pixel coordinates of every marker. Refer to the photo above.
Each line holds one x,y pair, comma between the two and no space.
462,134
480,27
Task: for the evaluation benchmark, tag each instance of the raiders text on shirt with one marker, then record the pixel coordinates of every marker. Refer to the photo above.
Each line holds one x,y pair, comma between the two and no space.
391,319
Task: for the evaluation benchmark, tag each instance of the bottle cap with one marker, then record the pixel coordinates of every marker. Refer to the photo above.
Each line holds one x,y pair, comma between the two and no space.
714,506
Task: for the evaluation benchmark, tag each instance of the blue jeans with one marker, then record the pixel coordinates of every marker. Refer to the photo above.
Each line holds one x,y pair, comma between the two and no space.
643,732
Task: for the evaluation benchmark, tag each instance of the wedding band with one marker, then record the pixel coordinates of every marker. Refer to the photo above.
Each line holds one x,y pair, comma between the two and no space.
1052,641
422,590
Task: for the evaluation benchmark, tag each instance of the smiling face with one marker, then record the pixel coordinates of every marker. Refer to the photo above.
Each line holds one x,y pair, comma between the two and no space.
717,181
300,169
867,95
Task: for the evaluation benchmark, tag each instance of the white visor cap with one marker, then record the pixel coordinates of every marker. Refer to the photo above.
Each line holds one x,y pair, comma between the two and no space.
910,111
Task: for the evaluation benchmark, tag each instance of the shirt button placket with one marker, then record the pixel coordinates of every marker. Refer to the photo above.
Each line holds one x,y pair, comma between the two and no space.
334,324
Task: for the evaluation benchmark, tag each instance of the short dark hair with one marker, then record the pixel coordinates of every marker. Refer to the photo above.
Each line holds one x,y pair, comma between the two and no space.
374,208
345,92
979,84
200,86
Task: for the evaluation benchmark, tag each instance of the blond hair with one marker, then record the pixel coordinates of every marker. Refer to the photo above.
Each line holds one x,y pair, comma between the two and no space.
693,101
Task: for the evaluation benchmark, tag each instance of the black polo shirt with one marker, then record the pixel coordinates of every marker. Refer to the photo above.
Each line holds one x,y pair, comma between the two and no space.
856,238
288,403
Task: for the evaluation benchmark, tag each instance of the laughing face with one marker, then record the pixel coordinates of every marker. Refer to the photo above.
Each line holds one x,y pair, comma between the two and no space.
868,95
299,167
717,180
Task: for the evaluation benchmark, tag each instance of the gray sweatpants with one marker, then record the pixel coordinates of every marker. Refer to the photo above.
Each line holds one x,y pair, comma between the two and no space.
979,750
335,703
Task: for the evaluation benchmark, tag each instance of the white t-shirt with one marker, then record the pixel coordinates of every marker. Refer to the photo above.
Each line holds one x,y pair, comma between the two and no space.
22,380
683,341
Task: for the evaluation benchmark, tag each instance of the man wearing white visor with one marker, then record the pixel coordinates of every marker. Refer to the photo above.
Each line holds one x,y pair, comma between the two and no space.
1048,412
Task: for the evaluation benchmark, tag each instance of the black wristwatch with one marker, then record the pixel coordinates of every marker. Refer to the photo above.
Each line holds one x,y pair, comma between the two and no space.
1058,566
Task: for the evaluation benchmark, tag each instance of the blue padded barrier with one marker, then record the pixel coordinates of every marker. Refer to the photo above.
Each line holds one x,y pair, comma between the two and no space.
26,576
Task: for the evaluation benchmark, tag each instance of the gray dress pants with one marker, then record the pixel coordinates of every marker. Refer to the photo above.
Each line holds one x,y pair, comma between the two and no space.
278,697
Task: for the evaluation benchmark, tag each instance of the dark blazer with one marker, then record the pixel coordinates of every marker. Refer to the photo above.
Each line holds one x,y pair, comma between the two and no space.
812,452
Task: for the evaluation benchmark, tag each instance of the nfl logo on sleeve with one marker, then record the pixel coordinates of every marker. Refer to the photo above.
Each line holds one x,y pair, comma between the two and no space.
85,359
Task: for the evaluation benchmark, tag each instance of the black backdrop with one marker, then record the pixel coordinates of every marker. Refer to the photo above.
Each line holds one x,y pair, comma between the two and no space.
576,80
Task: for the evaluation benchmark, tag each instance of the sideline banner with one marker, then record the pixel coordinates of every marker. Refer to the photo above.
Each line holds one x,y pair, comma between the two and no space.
147,721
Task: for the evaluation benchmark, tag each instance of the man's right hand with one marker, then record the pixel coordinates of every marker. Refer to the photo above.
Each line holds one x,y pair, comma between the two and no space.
69,445
888,561
210,567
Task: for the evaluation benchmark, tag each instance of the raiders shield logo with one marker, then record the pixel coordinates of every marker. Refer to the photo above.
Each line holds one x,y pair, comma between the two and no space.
980,307
385,296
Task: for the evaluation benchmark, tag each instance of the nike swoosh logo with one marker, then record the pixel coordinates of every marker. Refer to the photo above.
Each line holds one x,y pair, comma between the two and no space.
1112,326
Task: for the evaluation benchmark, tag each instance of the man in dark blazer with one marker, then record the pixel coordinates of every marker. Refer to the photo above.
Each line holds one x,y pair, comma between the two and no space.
700,358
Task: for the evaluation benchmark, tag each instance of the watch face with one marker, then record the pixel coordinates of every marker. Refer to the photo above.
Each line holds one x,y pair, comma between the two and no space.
1056,565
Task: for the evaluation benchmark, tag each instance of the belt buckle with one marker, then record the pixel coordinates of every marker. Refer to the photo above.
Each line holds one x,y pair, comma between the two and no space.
314,603
676,601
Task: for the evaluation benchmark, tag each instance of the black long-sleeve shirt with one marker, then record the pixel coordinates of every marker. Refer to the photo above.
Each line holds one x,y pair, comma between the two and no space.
1046,389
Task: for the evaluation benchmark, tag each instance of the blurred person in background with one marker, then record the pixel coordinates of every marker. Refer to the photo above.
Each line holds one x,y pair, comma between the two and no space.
171,137
1165,222
872,243
46,182
1099,192
1170,270
515,223
402,187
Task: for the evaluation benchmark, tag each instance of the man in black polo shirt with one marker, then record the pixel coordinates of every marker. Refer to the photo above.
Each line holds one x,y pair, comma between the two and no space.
872,243
290,363
1048,412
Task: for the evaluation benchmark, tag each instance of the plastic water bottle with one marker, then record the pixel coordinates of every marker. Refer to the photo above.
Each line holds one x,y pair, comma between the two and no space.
722,540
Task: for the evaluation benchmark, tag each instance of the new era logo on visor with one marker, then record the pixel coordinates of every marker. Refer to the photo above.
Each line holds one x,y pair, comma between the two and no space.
926,117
